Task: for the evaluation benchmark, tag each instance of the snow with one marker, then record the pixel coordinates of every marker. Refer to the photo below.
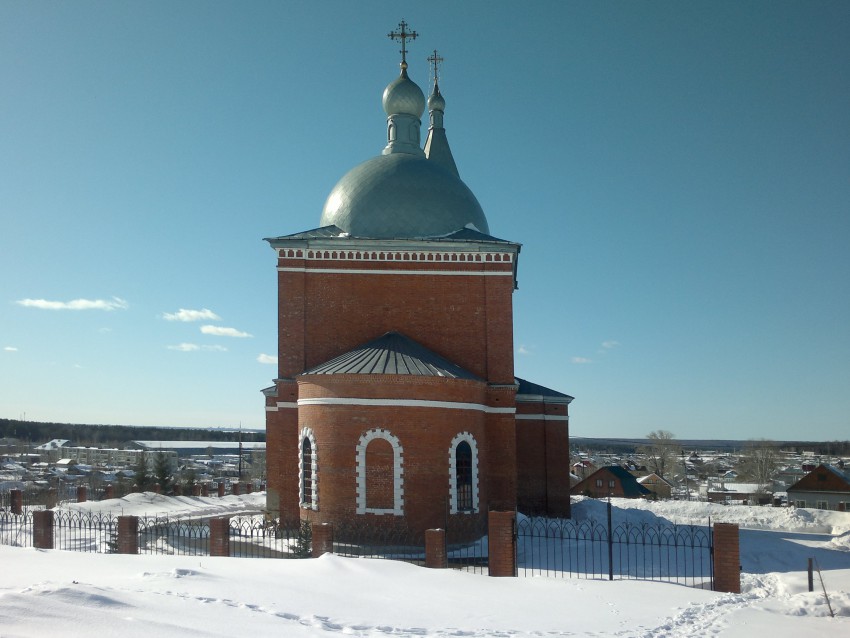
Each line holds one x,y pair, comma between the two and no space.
73,594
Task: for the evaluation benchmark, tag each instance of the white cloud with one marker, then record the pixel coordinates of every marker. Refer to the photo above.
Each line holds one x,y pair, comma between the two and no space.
184,314
267,358
10,349
221,331
523,350
608,345
581,360
192,347
116,303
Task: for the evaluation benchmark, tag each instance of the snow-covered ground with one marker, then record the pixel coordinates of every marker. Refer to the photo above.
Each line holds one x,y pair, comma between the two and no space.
47,593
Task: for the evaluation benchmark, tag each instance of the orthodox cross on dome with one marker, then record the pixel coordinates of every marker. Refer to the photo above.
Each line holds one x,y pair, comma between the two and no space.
402,35
435,61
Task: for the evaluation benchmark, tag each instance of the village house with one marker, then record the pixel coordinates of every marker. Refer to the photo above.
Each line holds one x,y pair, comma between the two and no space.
659,486
613,481
826,487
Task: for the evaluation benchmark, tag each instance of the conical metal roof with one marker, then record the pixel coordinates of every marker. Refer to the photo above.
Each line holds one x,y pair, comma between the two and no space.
393,353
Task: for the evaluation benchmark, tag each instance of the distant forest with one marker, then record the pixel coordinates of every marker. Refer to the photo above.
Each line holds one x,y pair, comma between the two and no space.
631,446
36,433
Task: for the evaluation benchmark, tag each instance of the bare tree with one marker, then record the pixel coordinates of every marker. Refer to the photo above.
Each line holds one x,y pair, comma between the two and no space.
660,451
759,462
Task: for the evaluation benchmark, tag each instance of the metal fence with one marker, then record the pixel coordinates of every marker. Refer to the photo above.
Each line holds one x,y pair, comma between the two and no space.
16,529
603,549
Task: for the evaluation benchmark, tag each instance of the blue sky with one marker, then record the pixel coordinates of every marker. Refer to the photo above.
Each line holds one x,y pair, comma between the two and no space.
678,175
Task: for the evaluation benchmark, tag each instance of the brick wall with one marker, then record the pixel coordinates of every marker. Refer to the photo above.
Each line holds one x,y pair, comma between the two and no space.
466,319
424,434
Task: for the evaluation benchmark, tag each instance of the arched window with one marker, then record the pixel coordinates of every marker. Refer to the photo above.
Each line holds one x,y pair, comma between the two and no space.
463,474
379,475
380,488
307,470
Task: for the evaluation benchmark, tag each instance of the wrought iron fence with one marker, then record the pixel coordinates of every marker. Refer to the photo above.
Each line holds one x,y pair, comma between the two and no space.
85,531
16,529
601,549
467,546
258,537
365,539
174,536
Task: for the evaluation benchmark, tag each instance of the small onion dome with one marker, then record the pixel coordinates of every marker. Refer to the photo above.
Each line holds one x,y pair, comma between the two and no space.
403,96
436,102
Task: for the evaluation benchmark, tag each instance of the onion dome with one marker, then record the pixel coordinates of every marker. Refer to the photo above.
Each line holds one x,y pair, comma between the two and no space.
404,97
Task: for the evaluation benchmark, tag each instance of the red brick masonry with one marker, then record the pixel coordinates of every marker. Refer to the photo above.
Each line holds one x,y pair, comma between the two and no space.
502,541
220,536
128,534
435,549
727,558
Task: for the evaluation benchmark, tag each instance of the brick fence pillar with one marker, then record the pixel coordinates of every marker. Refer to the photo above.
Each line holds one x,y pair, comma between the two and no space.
323,539
249,488
196,490
435,549
205,490
157,488
42,529
236,490
221,489
82,493
51,498
128,535
220,536
727,558
109,491
502,543
16,498
177,490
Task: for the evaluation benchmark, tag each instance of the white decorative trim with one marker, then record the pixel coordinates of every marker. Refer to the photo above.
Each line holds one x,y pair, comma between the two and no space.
398,472
542,417
406,403
417,256
364,271
281,405
463,436
307,433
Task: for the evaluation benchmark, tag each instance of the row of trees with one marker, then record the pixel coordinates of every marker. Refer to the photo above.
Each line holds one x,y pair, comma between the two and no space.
757,464
115,435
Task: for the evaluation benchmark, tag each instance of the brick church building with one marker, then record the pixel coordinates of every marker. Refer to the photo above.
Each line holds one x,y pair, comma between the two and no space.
396,399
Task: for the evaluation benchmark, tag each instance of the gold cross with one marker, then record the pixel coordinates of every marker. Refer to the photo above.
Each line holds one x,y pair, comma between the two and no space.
402,35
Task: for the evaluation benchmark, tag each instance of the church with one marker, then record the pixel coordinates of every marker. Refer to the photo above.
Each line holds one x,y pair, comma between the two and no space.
395,399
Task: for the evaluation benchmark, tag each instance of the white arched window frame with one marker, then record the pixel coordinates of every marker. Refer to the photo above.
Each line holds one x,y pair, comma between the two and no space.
398,473
453,495
310,478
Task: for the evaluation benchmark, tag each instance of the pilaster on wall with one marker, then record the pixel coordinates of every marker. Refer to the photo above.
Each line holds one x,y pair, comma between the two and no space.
500,460
282,451
291,321
500,329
